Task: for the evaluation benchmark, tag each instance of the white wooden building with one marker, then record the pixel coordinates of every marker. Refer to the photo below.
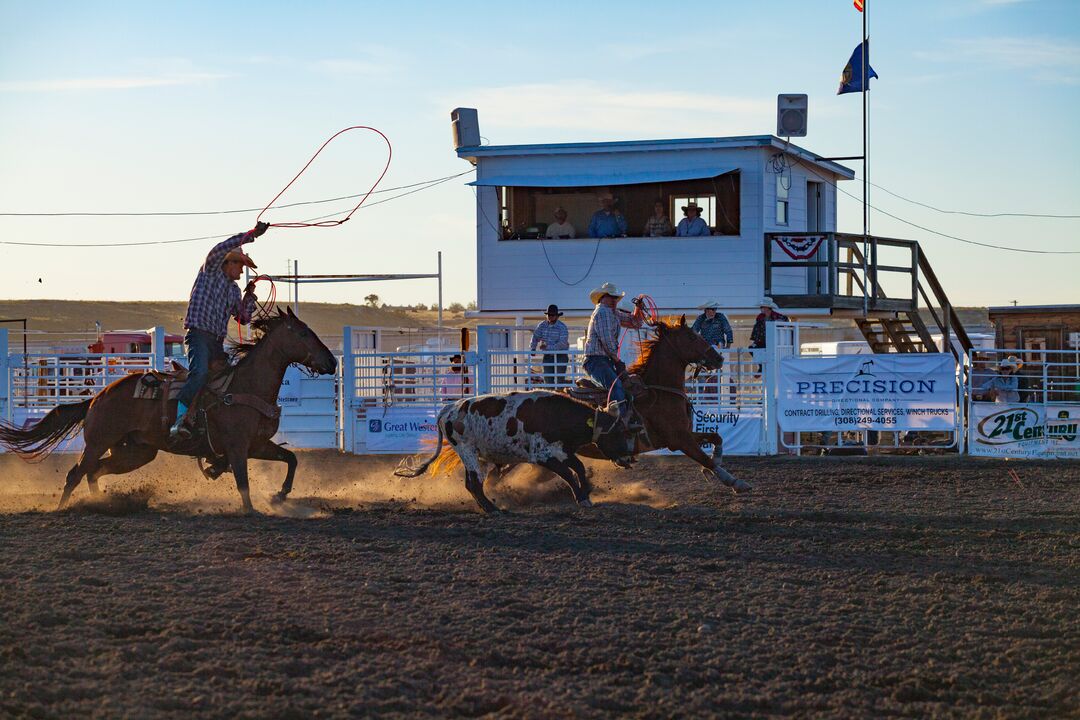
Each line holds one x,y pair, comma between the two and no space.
749,187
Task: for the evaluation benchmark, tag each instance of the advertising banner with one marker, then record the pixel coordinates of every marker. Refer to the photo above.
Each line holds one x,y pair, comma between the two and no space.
902,391
1017,430
399,430
289,392
741,429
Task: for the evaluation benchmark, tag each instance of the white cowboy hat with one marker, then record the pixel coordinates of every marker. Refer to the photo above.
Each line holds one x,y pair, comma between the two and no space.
768,302
1011,363
605,289
711,303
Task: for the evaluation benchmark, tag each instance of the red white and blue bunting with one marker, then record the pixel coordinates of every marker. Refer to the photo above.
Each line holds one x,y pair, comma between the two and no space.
799,247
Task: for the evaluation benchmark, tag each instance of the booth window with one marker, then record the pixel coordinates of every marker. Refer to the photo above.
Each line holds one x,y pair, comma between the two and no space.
782,187
525,212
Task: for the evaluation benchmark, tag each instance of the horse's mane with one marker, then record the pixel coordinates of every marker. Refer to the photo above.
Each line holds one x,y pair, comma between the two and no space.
649,346
240,350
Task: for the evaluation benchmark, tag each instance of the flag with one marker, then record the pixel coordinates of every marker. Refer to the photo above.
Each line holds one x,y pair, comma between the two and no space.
851,78
859,5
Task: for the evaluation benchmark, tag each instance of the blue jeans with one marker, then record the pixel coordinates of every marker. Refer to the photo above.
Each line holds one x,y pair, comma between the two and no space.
602,370
202,348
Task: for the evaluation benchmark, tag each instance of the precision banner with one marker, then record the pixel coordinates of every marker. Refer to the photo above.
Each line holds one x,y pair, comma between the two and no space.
1019,430
908,391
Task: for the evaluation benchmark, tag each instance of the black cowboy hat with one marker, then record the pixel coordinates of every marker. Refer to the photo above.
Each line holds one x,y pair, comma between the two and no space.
553,310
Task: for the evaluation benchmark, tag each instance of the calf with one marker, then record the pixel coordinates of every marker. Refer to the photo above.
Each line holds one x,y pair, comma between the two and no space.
540,427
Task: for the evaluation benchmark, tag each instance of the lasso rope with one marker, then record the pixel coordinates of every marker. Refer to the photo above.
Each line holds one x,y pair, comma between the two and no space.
332,223
262,309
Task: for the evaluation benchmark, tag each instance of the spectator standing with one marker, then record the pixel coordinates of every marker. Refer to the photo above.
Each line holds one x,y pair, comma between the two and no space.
770,312
607,221
553,337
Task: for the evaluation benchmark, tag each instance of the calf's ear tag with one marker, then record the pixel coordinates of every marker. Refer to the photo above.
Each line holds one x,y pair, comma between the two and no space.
590,422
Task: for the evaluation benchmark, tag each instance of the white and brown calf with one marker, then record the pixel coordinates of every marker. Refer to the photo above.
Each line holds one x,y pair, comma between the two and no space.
540,427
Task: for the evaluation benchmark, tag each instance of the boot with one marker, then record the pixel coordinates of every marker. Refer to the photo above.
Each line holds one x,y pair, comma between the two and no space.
180,429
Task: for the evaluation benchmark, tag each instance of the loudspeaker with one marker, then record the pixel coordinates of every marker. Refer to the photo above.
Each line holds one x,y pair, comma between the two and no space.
466,127
791,113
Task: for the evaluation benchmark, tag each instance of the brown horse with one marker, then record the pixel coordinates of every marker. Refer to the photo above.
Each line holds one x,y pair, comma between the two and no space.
238,425
665,410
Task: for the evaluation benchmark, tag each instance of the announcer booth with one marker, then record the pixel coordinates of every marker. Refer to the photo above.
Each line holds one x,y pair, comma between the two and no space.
746,187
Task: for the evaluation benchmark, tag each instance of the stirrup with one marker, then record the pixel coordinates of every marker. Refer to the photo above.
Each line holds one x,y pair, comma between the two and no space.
180,430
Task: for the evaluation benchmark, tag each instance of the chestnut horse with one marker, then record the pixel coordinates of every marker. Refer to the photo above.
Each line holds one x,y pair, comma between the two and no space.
665,410
238,425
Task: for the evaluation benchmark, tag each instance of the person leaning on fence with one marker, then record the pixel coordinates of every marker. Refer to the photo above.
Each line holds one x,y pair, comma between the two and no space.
214,297
602,361
770,312
453,385
692,225
553,337
1004,386
560,228
713,325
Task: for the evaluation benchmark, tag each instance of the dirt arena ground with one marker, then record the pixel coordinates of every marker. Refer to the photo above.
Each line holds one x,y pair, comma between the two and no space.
842,587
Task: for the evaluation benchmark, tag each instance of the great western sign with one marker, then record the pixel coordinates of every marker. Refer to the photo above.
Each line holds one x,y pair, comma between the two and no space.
909,391
1024,430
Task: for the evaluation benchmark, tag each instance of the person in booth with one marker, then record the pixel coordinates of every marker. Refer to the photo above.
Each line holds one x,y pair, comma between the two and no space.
553,337
602,361
560,229
692,225
607,222
658,224
214,297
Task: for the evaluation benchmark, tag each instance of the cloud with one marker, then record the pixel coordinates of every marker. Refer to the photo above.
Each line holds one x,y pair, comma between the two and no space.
118,82
1053,61
373,61
586,106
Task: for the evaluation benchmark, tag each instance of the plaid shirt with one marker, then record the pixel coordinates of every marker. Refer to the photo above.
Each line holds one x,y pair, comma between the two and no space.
553,337
602,337
658,227
716,331
214,297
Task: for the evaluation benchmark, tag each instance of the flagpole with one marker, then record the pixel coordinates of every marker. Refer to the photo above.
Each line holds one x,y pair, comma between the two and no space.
866,163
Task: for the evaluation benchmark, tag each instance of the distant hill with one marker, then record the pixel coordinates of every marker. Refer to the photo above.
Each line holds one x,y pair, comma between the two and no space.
71,316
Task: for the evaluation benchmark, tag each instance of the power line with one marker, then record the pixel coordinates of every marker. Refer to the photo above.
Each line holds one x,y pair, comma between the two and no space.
430,184
935,232
224,212
974,214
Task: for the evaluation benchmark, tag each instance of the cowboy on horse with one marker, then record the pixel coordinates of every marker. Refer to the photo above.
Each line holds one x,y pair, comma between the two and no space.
214,297
602,361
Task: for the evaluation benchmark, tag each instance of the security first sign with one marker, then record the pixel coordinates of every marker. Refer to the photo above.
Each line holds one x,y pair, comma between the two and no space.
910,391
1019,430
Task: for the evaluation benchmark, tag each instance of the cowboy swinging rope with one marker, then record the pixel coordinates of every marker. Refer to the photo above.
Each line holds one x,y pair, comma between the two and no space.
264,308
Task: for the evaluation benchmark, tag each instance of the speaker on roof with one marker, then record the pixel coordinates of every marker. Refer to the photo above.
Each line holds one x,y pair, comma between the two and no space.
791,115
466,126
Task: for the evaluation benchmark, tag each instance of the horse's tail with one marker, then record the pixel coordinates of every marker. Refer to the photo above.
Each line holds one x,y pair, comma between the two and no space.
41,438
407,471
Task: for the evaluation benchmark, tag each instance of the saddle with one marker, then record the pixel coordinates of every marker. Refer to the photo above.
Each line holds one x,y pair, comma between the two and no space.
157,385
596,394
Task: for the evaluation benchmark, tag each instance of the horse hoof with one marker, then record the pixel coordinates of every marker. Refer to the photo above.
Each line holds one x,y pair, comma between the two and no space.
278,498
741,486
585,502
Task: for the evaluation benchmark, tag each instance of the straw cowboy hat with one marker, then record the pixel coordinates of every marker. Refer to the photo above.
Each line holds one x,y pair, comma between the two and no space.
710,304
1011,363
768,302
605,289
240,256
691,206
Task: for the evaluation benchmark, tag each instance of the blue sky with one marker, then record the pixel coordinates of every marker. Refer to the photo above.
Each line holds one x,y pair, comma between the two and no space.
124,106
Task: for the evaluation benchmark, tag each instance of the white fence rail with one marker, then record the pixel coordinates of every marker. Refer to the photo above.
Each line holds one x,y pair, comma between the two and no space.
386,402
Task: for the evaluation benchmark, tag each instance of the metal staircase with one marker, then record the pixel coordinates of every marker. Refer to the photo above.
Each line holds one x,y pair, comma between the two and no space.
889,323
